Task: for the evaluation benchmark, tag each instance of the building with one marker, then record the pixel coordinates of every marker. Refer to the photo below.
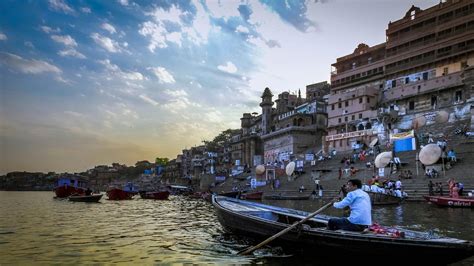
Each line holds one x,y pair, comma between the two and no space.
428,54
356,80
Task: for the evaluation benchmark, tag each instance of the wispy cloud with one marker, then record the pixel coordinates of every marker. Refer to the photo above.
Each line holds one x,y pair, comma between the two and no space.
229,68
148,99
123,2
3,37
108,27
116,71
86,10
29,44
61,6
162,74
67,40
71,52
49,30
107,43
32,66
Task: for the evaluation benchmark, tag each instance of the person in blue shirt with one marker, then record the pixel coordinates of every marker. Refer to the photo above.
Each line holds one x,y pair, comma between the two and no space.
361,209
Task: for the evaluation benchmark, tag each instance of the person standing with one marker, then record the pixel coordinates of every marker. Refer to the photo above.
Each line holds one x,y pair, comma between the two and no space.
361,209
430,188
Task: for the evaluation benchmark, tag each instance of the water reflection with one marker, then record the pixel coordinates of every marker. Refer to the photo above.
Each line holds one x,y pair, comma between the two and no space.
180,230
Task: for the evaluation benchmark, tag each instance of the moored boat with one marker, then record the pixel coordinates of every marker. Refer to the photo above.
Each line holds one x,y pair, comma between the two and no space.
286,196
461,202
262,221
378,198
156,195
85,198
68,186
119,193
255,195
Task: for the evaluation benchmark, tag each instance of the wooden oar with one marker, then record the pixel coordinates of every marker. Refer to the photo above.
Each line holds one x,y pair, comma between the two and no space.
286,230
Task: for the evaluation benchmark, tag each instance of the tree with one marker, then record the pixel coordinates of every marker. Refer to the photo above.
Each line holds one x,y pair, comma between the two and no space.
161,161
221,140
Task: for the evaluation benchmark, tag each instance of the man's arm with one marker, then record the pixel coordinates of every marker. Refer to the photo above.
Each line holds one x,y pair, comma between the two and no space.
345,202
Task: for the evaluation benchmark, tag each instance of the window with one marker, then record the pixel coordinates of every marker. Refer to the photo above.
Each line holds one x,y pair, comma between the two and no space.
346,119
394,83
407,80
347,103
463,65
425,75
339,120
368,99
434,101
360,100
411,105
458,96
354,65
445,71
332,106
360,116
369,60
339,105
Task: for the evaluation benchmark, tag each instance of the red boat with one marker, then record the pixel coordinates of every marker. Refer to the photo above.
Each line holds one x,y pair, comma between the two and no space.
69,186
156,195
119,194
463,202
257,195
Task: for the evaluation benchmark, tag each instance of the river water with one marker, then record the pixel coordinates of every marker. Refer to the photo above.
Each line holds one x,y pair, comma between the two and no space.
35,228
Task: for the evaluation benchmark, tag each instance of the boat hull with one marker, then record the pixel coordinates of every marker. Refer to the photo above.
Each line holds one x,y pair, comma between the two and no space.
451,202
334,243
384,199
83,198
66,191
119,194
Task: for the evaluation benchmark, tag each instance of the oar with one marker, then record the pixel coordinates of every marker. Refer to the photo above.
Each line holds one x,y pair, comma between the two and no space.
286,230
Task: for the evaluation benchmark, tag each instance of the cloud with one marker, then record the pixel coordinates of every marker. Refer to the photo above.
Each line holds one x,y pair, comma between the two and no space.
108,27
49,30
157,34
27,66
272,43
176,93
229,68
85,10
292,12
65,39
115,70
123,2
245,12
29,44
61,6
71,52
3,37
242,29
107,43
148,99
162,74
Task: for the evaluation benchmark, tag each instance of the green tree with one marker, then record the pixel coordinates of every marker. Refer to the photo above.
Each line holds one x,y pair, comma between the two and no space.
161,161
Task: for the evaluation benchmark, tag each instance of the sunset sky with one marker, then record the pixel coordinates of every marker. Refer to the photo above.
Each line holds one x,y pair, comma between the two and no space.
85,83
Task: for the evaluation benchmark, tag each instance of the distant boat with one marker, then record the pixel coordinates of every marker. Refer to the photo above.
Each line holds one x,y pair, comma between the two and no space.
85,198
125,193
68,186
379,243
255,195
180,190
461,202
156,195
378,198
283,196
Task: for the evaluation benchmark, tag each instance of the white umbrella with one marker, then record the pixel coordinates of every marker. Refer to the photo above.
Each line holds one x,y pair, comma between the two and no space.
383,159
260,169
430,154
442,117
290,168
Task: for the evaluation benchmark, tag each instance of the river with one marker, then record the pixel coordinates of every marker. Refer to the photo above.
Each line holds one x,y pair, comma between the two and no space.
35,228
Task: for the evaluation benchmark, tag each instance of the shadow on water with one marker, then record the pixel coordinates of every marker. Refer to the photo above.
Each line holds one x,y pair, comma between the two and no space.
177,231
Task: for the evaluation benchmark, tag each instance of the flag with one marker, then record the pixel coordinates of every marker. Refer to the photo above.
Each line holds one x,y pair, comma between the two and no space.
407,144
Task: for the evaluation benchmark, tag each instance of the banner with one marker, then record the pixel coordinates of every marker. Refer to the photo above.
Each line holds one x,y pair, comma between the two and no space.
407,144
403,135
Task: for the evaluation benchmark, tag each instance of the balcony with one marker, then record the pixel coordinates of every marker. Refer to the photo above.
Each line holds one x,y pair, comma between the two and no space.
347,135
421,87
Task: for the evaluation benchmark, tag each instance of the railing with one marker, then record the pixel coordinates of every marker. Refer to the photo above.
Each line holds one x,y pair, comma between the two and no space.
349,135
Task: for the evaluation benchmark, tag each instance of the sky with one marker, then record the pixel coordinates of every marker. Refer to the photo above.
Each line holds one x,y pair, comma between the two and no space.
86,83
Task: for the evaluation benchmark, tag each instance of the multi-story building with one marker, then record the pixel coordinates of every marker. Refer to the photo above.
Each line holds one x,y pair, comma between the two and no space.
352,105
428,54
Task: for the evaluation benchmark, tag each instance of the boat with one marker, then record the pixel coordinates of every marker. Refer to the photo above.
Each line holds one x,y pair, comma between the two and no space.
180,190
85,198
125,193
461,202
261,221
156,195
255,195
378,198
68,186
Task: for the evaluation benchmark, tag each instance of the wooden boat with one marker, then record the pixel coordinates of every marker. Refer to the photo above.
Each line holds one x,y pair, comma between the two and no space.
256,195
262,221
180,190
283,196
461,202
156,195
116,192
85,198
383,199
68,186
